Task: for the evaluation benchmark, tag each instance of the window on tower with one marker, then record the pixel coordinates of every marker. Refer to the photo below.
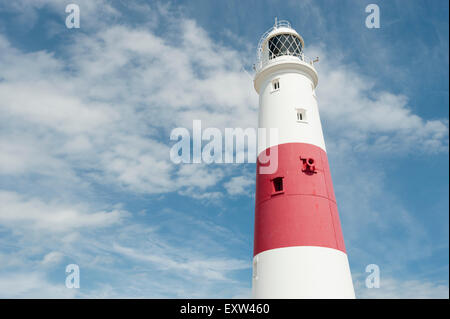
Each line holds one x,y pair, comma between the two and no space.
277,185
275,85
285,44
301,115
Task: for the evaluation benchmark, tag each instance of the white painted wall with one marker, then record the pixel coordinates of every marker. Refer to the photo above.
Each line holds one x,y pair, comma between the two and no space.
302,272
278,109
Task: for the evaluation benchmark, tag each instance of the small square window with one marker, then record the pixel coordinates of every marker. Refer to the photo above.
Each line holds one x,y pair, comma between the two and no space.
301,115
278,184
275,85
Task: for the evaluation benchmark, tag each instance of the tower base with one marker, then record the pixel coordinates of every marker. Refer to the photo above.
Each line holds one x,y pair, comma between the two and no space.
302,272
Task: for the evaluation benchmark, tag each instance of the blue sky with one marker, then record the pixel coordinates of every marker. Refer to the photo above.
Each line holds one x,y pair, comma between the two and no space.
85,120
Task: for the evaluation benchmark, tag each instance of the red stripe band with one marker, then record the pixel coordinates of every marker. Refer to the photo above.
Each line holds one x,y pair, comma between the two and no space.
296,205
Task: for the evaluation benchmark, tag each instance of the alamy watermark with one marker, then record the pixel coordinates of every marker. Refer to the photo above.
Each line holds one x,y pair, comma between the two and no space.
373,19
373,279
73,19
225,148
73,277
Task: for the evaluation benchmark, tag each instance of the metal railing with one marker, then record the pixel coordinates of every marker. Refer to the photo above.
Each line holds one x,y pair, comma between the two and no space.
278,24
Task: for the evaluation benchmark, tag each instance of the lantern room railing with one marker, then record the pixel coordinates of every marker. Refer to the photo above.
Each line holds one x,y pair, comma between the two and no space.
290,46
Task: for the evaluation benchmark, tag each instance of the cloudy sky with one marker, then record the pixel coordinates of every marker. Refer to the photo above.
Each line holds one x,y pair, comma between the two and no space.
85,122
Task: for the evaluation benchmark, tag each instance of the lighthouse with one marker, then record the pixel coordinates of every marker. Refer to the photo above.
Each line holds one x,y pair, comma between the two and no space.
299,249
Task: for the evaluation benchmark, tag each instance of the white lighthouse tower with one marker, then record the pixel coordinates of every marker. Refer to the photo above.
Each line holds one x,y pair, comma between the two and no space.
299,249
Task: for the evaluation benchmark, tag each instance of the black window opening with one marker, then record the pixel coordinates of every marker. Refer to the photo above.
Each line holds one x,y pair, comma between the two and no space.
276,85
278,184
284,44
301,115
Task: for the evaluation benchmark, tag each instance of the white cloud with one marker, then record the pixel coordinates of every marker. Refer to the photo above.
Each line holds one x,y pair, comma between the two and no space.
240,185
107,113
132,260
208,269
52,257
92,13
391,288
34,214
358,118
32,285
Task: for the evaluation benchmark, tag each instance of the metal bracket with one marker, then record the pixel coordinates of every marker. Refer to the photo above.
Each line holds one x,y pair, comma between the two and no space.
309,165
